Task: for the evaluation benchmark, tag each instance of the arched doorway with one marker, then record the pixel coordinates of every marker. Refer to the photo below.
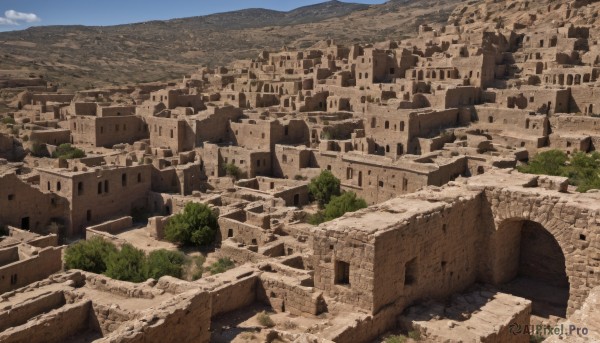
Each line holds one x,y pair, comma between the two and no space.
530,263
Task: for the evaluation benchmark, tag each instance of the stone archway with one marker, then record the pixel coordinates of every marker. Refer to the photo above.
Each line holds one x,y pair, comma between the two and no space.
531,264
569,222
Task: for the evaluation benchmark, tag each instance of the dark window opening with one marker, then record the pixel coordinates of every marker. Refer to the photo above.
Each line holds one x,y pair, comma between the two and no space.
342,273
410,272
124,180
11,197
25,223
89,215
100,187
230,233
80,188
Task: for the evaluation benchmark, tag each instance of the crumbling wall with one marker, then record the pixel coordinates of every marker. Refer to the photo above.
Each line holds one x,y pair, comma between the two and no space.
54,327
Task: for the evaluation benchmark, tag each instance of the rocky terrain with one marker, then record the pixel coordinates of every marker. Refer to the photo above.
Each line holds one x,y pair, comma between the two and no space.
87,57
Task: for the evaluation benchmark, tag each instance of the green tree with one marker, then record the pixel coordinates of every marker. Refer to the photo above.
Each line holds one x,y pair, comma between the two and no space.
323,187
165,262
67,152
339,205
196,225
232,170
549,162
128,264
89,255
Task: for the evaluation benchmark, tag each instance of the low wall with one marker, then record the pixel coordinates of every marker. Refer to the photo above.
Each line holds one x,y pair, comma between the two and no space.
54,327
123,288
368,328
113,226
90,233
44,241
21,313
156,227
239,293
285,294
109,318
9,255
21,273
184,319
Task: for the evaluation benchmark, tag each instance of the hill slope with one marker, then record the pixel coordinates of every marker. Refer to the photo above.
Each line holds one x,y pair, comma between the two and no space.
81,56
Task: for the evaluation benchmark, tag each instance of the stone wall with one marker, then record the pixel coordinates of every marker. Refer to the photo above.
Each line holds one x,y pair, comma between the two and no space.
21,313
54,327
20,273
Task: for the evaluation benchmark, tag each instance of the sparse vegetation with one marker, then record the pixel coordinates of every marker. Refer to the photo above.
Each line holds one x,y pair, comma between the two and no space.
8,120
199,263
221,266
289,325
395,339
414,335
196,225
265,320
232,170
39,150
583,170
67,152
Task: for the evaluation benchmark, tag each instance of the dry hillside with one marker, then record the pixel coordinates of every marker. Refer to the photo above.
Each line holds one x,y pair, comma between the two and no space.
84,57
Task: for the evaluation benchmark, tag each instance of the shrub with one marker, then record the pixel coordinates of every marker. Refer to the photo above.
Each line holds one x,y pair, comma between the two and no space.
549,163
583,170
128,264
316,218
395,339
265,320
90,255
67,152
39,149
415,335
289,325
164,262
8,120
221,266
196,225
339,205
199,262
323,187
232,170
